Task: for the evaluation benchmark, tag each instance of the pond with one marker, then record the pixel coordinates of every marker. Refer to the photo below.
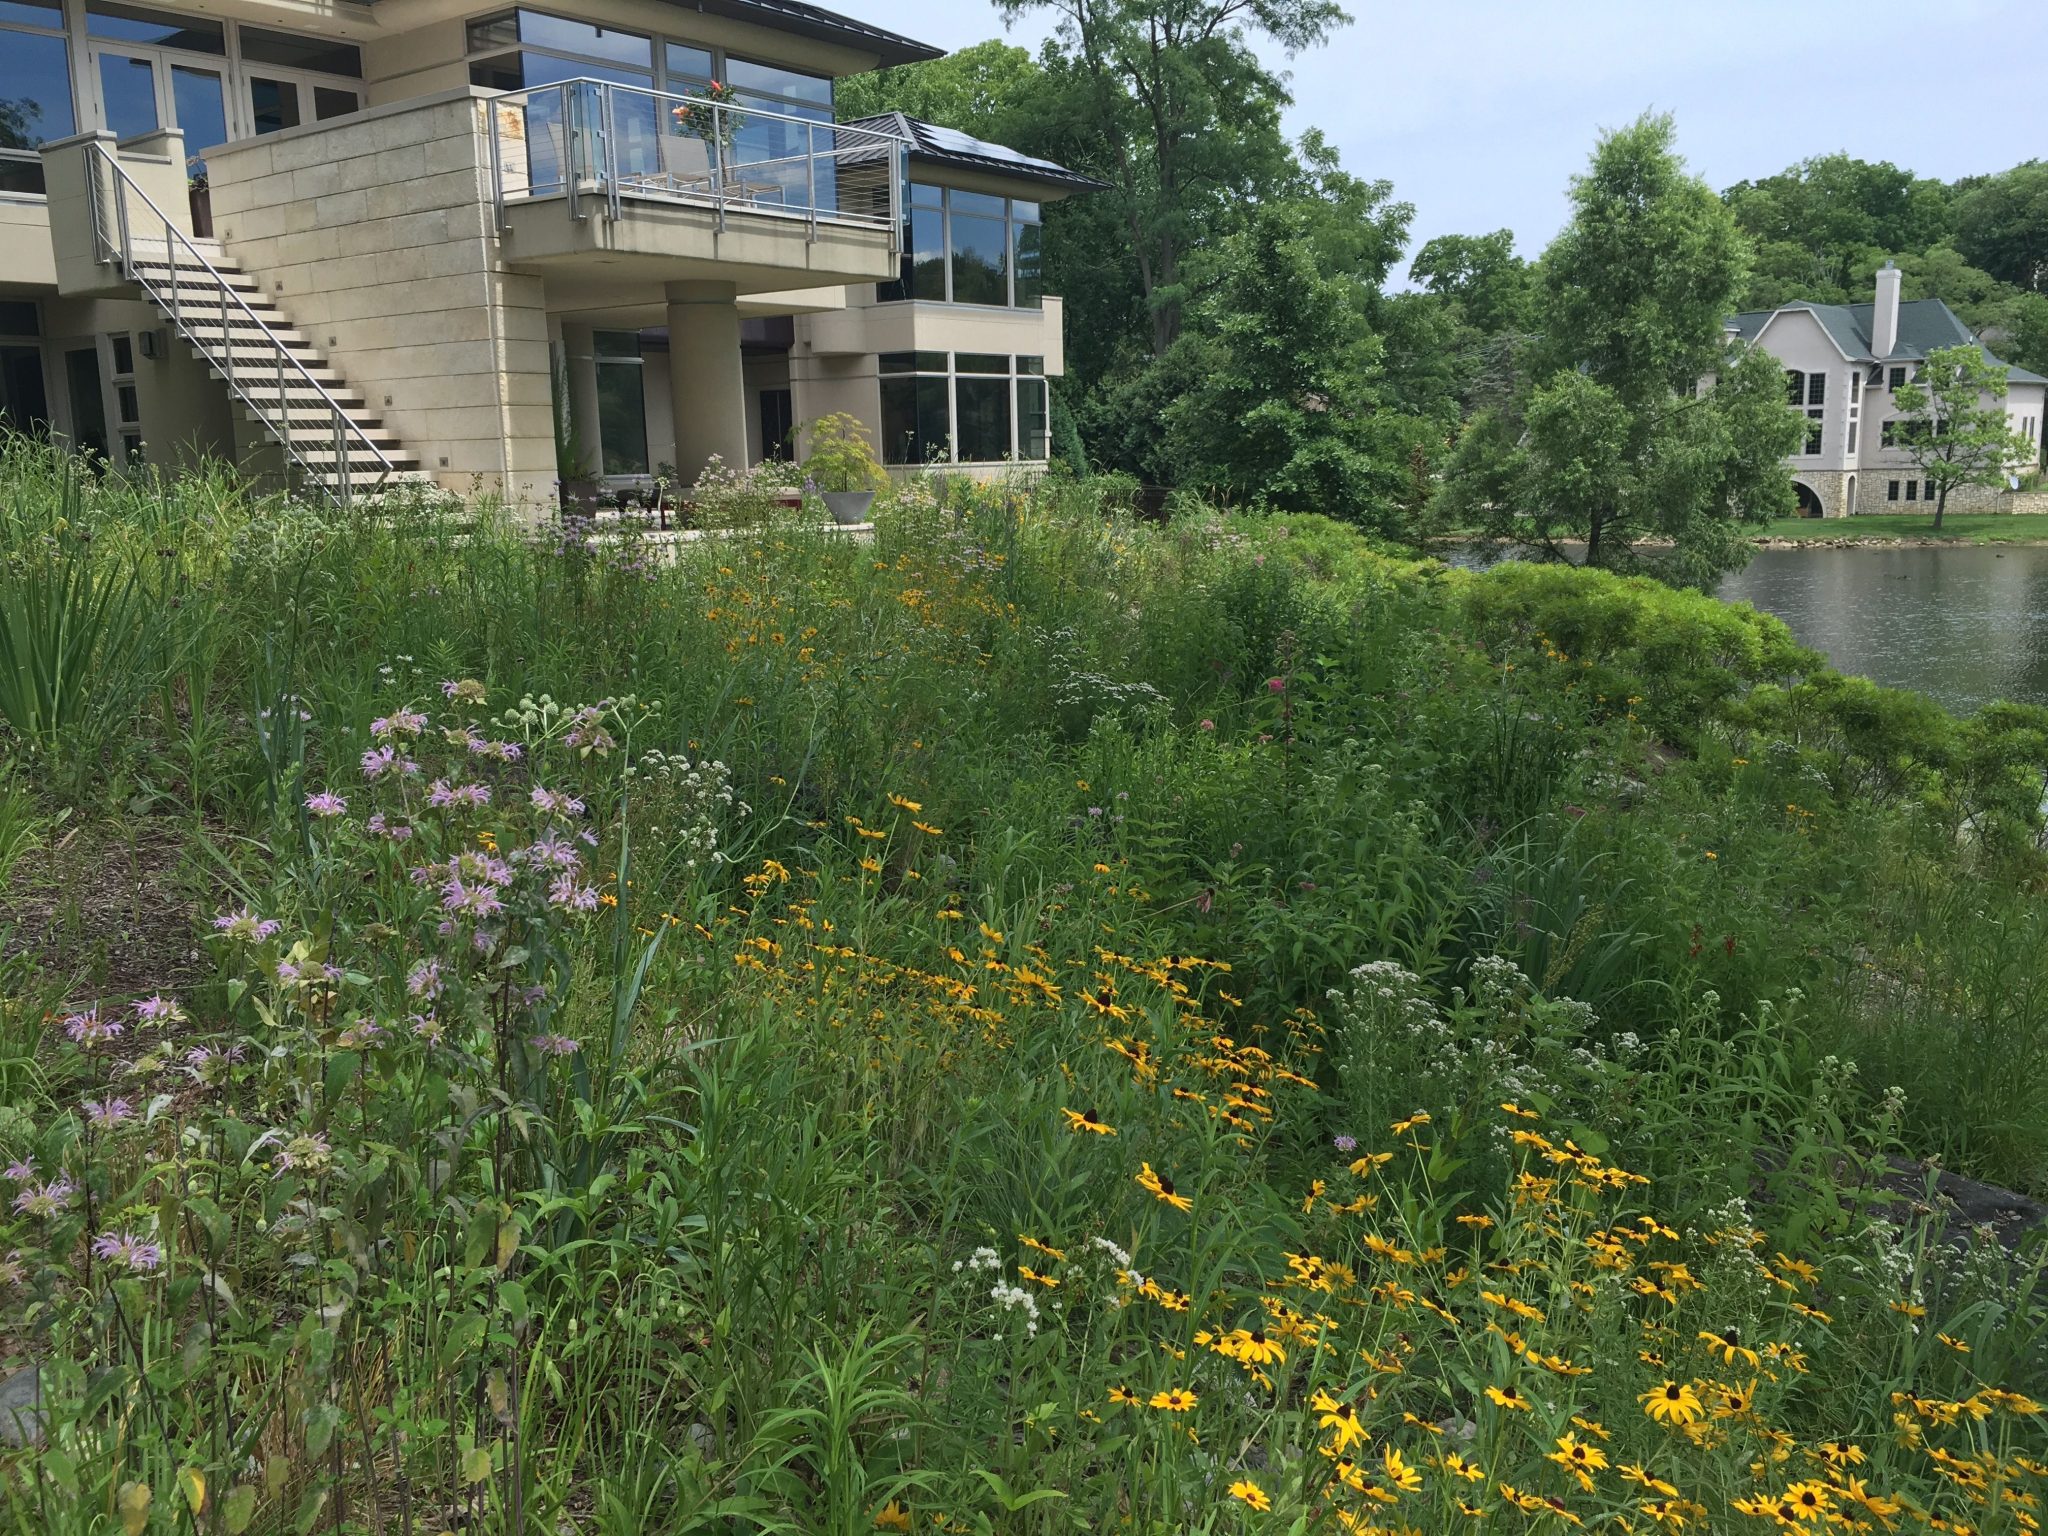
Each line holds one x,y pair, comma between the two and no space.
1965,625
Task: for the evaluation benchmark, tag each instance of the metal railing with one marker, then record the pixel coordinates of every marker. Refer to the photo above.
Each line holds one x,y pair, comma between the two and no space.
115,242
583,138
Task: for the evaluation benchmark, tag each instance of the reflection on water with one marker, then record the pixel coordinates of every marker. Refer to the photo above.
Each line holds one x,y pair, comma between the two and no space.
1965,625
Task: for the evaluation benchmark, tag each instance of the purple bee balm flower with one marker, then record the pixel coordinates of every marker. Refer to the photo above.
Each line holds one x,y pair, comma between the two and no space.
46,1200
486,868
555,1045
21,1171
1344,1143
424,980
306,1152
395,831
158,1009
475,900
442,796
426,1027
405,722
89,1029
129,1251
552,802
548,851
359,1034
108,1111
566,894
244,927
287,972
326,805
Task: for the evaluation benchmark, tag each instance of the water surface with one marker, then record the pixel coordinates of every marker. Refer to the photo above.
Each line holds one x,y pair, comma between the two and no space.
1965,625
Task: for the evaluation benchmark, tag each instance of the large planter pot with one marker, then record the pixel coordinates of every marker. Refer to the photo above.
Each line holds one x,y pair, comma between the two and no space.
848,507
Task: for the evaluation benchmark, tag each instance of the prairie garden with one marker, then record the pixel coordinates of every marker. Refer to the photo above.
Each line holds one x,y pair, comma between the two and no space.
1036,1022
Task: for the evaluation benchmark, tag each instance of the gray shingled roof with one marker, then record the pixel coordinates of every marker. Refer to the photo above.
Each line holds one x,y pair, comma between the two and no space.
937,145
1924,325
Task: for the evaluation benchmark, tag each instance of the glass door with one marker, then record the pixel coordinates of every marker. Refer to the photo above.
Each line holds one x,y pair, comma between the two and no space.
127,84
199,103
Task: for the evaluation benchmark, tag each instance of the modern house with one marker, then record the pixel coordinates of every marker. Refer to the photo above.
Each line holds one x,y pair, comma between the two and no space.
350,241
1842,361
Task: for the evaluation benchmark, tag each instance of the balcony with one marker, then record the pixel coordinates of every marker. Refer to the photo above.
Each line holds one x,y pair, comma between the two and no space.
654,186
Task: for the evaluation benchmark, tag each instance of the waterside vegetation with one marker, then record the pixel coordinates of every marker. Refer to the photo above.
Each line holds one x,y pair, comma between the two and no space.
1035,1023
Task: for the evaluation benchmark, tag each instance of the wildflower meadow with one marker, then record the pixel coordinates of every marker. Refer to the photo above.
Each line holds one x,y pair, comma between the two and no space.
1029,1022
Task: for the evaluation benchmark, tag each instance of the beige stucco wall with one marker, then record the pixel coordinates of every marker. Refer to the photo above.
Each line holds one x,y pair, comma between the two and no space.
868,328
373,235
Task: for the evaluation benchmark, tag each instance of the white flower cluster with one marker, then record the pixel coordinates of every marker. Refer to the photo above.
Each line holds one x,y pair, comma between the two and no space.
703,797
981,1259
1014,1298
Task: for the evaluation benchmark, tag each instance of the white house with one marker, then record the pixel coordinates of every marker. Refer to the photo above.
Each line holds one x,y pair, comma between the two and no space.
1842,362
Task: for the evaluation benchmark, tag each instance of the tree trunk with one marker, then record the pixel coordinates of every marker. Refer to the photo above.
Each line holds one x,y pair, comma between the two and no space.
1940,505
1593,541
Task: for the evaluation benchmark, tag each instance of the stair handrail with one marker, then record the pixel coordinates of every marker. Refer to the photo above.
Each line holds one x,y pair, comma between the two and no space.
119,247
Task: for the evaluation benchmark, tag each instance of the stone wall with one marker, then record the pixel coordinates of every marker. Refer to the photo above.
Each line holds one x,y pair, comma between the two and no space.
374,234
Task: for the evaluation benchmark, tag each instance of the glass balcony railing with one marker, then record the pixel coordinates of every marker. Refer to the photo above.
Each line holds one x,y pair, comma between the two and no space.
584,138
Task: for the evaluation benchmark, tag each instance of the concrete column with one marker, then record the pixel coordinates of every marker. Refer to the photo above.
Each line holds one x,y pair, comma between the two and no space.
707,386
579,353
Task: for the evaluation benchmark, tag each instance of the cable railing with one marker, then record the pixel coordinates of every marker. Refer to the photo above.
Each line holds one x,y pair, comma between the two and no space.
584,139
188,288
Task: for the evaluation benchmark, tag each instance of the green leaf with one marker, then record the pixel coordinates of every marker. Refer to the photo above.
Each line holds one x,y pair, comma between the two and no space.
238,1509
476,1464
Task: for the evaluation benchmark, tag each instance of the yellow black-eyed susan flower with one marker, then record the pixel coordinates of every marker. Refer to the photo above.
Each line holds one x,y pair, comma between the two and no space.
1087,1120
1672,1403
1162,1189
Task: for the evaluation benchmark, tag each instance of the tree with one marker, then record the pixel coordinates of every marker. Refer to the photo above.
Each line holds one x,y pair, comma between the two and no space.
1169,103
1609,439
1276,365
2002,225
1816,222
1952,424
1481,274
988,90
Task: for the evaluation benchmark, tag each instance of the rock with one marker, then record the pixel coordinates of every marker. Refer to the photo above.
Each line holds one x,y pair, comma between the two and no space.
21,1407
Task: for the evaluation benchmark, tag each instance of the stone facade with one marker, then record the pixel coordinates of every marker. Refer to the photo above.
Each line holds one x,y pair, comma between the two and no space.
375,237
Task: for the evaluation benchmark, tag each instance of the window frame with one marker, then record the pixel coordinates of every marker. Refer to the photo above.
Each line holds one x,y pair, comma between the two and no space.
659,78
900,289
71,38
1021,369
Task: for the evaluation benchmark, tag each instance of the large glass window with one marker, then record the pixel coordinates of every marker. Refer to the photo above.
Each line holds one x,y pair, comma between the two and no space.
978,245
24,404
161,29
319,55
35,89
969,248
621,403
969,408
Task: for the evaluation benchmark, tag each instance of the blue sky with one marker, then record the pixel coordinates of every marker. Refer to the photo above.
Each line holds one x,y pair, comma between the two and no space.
1479,111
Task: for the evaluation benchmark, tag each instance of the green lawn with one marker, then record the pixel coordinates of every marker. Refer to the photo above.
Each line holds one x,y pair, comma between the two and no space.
1962,528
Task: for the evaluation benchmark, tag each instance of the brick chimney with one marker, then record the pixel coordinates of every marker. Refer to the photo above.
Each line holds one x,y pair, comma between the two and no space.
1884,317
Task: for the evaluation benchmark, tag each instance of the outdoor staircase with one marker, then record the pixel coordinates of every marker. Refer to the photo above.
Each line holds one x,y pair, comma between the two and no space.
332,444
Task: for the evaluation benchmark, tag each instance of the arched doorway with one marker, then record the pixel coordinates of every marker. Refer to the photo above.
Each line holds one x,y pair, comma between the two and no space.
1849,498
1809,503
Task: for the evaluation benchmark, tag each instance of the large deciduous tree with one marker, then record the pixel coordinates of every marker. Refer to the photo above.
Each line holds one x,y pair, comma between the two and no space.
1951,423
1610,439
1179,116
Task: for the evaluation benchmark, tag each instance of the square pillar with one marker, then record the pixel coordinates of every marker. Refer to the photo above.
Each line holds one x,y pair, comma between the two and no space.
707,385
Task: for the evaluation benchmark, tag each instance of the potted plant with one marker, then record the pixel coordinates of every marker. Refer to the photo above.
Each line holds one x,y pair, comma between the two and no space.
844,468
696,116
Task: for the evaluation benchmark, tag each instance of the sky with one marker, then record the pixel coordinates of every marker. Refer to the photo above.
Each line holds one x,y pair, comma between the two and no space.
1480,111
